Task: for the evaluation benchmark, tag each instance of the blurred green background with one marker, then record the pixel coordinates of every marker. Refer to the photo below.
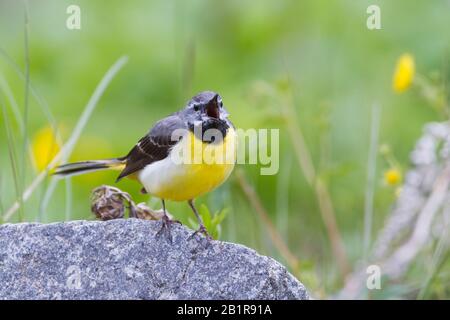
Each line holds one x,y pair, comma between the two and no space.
334,67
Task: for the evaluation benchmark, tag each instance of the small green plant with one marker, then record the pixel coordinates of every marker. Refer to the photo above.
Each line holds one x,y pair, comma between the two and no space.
212,221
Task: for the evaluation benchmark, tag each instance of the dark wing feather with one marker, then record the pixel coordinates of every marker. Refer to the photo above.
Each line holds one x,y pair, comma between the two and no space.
154,146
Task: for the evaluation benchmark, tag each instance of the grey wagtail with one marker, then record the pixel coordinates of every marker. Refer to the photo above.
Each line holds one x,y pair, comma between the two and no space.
153,163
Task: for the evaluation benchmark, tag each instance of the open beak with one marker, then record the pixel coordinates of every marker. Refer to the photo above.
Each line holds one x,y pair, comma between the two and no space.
212,109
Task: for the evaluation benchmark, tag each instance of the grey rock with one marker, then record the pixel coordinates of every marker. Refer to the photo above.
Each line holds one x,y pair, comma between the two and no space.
124,259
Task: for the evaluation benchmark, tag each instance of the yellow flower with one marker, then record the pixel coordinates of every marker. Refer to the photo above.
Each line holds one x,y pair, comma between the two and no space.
404,73
44,147
392,177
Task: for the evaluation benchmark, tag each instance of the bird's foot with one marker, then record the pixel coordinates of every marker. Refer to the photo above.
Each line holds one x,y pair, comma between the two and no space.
203,231
166,227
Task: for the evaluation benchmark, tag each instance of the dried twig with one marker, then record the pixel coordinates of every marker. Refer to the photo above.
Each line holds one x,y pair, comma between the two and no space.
371,172
321,191
109,203
256,203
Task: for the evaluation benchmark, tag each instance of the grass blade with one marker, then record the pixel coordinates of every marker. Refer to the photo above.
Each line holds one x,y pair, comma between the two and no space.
42,103
68,147
282,198
12,158
33,91
2,208
371,172
259,208
23,169
305,163
4,86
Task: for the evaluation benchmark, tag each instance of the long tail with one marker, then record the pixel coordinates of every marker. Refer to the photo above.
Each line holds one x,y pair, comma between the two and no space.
89,166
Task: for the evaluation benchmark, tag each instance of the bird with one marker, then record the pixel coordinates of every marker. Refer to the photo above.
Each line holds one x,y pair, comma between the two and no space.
183,156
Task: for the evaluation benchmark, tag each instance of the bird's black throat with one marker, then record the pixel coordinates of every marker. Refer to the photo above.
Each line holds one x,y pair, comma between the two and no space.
212,136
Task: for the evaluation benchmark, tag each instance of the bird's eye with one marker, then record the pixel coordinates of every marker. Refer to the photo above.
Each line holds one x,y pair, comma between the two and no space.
196,107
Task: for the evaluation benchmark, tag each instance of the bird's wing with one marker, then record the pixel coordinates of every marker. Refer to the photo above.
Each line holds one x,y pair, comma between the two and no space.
154,146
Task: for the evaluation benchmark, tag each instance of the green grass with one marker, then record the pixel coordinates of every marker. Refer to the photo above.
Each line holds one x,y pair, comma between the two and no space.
309,68
13,160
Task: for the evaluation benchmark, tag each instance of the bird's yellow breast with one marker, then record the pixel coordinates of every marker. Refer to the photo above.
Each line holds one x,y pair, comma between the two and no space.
204,167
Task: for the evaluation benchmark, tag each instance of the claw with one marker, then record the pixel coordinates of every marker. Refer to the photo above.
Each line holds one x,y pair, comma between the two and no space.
166,226
203,231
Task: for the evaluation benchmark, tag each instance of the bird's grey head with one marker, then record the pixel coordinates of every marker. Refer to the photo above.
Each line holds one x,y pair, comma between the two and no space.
206,104
207,109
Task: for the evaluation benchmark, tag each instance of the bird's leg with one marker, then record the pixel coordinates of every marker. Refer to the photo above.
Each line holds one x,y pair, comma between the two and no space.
201,228
166,222
165,227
